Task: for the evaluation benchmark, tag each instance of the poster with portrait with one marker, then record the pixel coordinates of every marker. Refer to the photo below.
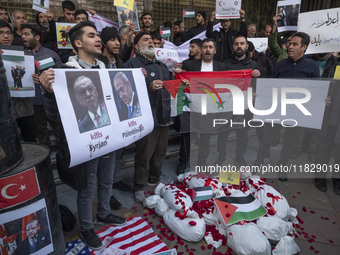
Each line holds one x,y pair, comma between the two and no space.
26,230
41,5
102,110
126,17
289,12
63,38
19,77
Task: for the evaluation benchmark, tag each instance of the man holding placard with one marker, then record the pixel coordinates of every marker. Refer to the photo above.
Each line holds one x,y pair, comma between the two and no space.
295,66
225,37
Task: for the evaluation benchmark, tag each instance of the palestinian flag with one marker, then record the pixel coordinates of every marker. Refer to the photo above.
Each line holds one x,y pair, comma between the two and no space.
235,209
188,13
180,99
202,193
165,31
12,53
44,63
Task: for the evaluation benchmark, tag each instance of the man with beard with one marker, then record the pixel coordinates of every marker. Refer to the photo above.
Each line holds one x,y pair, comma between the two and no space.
3,14
225,37
178,28
240,60
207,64
47,31
147,22
151,150
31,36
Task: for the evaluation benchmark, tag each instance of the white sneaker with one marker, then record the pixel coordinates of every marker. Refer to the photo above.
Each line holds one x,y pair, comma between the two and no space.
139,196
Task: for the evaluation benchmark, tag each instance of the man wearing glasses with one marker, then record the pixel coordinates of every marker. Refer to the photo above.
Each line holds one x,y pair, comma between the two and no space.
225,37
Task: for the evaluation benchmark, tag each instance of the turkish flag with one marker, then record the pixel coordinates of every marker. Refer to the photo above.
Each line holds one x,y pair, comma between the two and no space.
18,188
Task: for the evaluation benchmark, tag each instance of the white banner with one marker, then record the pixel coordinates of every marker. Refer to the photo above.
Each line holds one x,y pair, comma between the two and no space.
228,9
168,57
289,11
102,22
260,43
305,97
41,5
102,110
19,77
323,27
183,49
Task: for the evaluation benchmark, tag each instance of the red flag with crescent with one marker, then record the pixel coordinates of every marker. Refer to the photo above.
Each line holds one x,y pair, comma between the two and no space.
18,188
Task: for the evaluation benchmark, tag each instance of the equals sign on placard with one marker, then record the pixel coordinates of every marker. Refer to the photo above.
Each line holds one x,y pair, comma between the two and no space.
108,97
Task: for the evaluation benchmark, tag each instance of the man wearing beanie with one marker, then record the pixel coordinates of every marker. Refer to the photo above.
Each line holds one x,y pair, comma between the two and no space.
112,56
151,149
201,26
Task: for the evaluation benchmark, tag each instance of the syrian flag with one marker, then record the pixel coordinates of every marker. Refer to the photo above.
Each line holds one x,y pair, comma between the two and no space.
202,193
235,209
12,53
44,63
180,99
188,13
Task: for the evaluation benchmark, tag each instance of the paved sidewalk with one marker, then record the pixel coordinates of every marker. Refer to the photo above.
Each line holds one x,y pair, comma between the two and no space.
319,212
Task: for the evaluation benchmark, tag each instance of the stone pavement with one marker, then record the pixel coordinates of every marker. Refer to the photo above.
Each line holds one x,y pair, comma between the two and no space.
319,213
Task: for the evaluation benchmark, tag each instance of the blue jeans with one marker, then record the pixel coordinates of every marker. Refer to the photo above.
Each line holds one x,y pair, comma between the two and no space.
101,168
118,154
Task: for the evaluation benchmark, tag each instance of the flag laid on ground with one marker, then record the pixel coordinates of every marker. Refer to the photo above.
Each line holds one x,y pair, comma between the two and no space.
124,3
170,252
188,13
12,53
202,193
245,208
44,63
135,237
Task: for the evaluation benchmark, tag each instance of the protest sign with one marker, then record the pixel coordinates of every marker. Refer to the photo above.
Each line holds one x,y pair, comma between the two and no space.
228,9
19,77
41,5
168,57
323,27
19,226
63,38
127,17
129,4
260,43
289,11
98,114
304,106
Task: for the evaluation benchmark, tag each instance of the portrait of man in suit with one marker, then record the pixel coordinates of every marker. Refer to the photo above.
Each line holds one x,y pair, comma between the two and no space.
127,104
95,113
37,238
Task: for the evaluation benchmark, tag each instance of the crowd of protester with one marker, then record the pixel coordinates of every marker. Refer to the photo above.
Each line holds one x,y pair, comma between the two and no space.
222,50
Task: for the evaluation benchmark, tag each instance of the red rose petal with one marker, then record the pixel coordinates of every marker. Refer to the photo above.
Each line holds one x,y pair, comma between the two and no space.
312,212
304,209
203,248
227,215
331,241
311,248
226,206
192,223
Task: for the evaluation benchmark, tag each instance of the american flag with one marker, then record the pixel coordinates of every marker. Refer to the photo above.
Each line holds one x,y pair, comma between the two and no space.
135,237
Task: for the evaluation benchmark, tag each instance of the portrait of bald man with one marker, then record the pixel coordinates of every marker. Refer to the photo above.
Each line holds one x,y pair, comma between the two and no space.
127,104
94,112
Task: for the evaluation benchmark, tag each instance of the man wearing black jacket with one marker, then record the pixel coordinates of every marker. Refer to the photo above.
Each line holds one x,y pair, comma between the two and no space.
240,60
225,37
207,63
